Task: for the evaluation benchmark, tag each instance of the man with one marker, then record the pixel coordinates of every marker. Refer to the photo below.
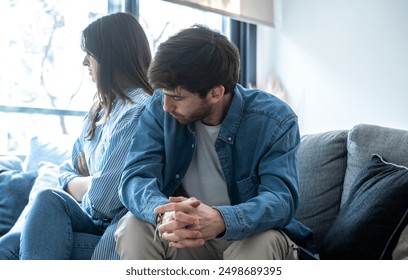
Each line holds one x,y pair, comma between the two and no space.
212,171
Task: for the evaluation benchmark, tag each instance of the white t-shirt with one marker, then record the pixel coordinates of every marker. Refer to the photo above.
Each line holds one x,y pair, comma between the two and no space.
204,178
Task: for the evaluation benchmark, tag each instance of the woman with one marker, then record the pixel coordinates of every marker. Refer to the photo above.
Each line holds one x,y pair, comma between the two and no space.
78,220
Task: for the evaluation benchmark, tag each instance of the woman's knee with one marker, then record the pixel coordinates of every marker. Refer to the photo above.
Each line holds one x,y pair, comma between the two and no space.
49,198
10,246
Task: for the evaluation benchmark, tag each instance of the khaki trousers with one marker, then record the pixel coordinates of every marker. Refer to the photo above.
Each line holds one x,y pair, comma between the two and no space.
135,241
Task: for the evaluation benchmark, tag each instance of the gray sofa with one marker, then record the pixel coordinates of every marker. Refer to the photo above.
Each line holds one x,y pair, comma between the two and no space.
355,201
331,168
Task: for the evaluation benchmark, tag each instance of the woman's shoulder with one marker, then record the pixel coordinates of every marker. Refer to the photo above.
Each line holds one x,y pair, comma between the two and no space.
137,95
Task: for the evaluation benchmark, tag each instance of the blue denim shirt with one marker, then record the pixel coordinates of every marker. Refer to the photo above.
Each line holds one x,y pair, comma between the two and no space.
257,148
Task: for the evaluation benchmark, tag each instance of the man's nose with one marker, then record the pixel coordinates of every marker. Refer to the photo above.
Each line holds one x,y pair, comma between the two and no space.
167,104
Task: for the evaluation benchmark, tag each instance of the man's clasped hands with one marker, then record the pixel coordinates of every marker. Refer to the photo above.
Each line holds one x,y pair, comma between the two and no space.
187,222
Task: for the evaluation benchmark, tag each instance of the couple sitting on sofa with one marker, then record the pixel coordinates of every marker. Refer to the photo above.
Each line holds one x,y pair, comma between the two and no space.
187,162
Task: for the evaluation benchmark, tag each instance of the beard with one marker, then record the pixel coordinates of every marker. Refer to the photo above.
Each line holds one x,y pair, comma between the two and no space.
199,114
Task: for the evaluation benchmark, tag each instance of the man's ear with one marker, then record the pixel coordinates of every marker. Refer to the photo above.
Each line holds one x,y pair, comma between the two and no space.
217,93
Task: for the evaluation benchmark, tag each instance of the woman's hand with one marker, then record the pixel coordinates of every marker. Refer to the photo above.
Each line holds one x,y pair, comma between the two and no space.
81,165
78,186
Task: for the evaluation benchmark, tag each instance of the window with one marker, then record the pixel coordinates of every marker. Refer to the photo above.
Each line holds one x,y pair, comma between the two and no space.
160,19
44,88
41,69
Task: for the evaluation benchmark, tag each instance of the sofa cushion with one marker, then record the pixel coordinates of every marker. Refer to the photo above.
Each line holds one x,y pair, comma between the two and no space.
401,249
15,186
371,220
10,163
365,140
322,165
52,148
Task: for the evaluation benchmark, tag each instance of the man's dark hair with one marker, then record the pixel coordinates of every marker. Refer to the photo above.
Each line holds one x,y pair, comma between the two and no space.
196,59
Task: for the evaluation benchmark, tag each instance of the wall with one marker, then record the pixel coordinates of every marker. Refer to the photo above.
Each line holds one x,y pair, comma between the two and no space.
342,62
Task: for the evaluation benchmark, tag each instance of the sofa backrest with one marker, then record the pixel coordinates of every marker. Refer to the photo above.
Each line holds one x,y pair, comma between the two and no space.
329,164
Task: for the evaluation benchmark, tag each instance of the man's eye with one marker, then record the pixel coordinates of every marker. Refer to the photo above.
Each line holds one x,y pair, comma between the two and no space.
177,98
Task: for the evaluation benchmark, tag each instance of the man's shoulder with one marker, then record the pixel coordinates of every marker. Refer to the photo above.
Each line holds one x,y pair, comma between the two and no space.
155,102
265,104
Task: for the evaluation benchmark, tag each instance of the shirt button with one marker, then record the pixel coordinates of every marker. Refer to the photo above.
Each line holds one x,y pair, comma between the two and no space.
229,138
192,146
177,176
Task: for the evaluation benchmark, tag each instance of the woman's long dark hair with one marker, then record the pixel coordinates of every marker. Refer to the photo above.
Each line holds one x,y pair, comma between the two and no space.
120,46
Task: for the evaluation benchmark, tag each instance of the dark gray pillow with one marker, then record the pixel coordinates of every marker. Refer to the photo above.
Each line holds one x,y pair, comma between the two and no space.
364,141
371,220
15,187
322,164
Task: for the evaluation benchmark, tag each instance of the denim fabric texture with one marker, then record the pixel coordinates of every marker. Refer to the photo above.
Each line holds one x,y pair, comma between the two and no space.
15,187
83,246
65,218
47,179
257,148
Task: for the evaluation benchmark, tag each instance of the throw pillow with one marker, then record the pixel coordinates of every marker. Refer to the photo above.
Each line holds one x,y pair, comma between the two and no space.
47,178
10,163
371,220
364,141
52,148
322,161
15,187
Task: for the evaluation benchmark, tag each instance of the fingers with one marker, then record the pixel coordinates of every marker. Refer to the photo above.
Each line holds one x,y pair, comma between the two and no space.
183,238
180,222
181,234
171,226
81,165
192,200
167,217
178,204
185,218
176,199
187,243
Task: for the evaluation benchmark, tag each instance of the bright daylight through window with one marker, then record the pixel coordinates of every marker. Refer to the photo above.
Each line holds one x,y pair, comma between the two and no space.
44,88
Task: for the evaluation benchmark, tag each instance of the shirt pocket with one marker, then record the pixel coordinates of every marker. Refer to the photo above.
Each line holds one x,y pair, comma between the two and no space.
248,187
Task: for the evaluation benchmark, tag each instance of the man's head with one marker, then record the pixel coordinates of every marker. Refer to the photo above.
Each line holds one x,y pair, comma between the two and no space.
196,59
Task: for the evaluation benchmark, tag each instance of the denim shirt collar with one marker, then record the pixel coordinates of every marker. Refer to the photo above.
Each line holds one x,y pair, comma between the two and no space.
230,124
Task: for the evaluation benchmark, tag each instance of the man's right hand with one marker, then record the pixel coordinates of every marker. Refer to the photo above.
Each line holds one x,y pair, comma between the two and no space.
190,222
176,220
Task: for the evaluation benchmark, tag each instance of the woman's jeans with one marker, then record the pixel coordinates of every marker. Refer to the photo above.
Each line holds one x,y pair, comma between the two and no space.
56,228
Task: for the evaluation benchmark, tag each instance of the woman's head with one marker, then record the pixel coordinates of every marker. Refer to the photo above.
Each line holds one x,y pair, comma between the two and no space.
119,45
121,53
